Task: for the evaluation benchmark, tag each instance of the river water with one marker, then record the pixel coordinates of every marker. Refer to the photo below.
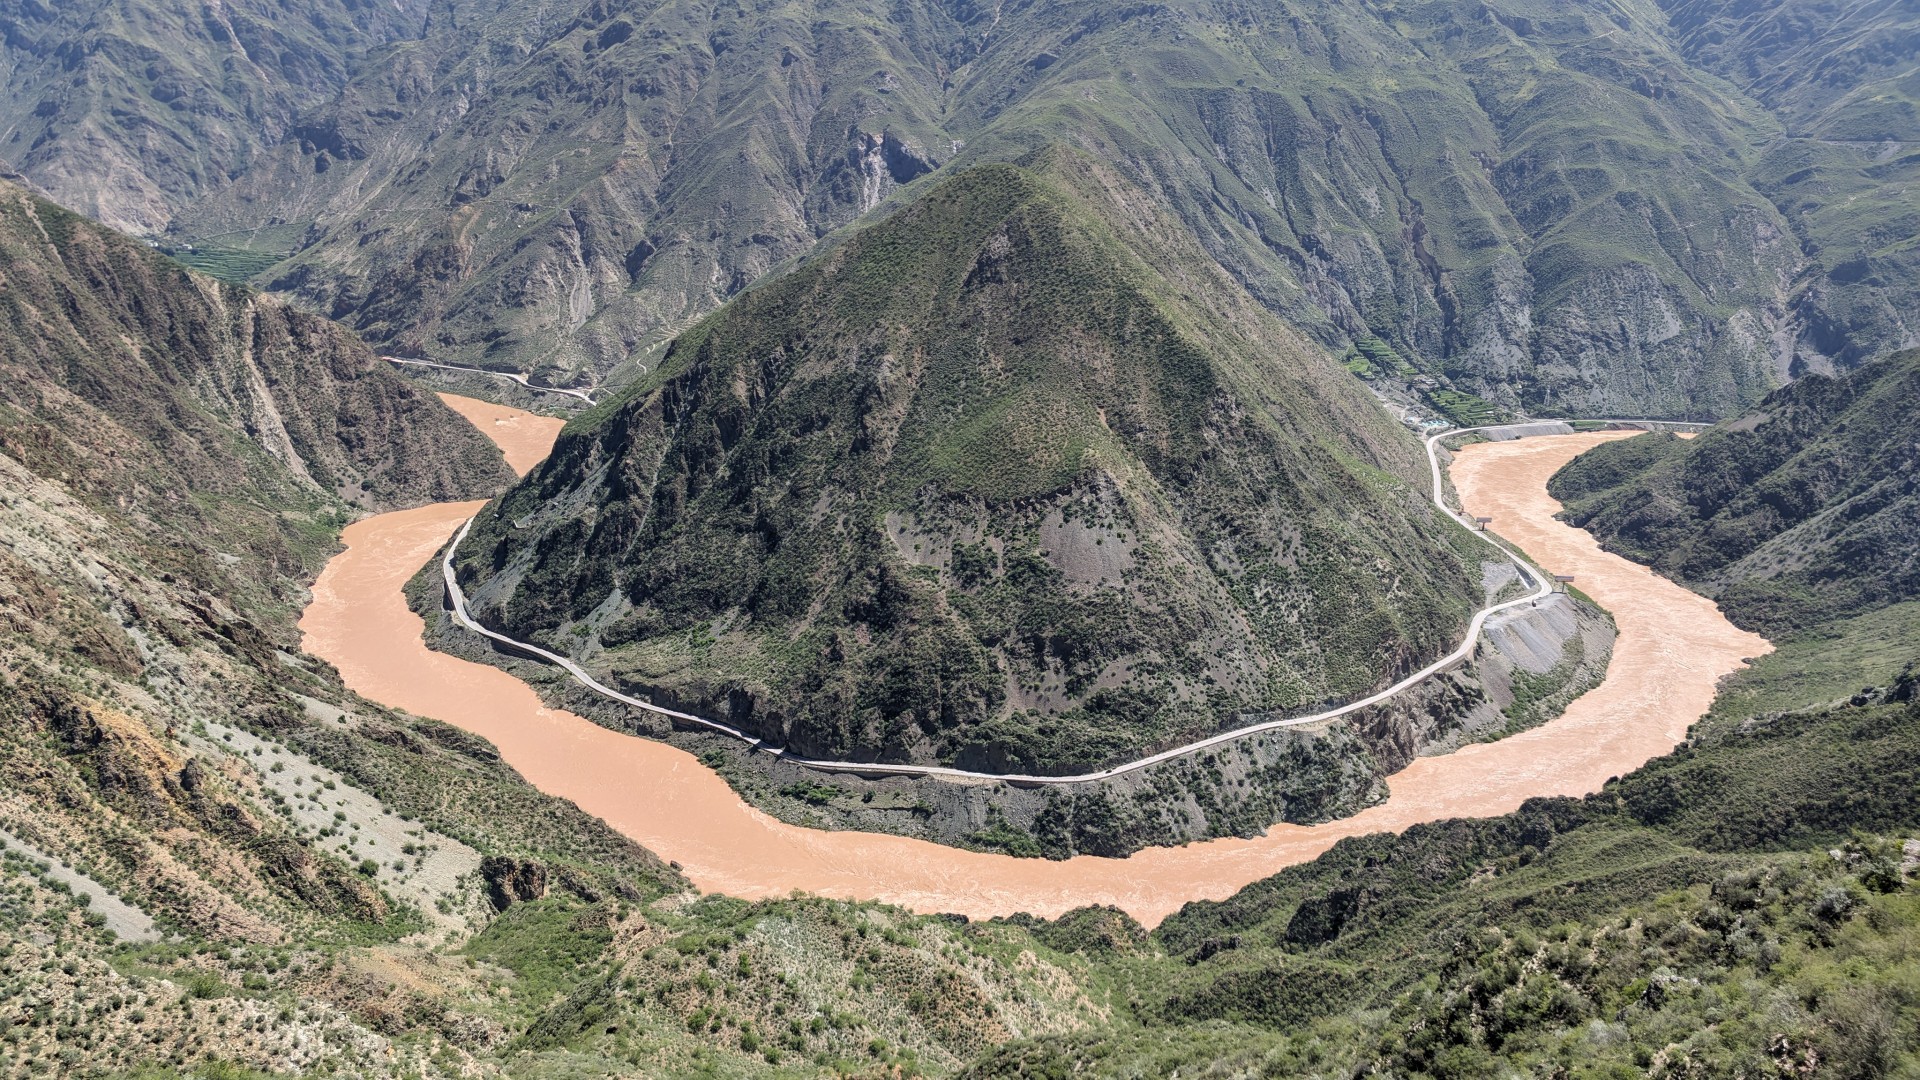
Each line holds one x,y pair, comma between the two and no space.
1673,648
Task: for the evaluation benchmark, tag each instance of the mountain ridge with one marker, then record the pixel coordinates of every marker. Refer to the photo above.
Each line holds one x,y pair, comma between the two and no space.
946,433
1680,264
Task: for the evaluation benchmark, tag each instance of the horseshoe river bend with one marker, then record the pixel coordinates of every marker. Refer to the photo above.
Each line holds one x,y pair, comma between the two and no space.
1673,648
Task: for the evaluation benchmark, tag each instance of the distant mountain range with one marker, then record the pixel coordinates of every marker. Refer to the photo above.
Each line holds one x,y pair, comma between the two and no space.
1559,207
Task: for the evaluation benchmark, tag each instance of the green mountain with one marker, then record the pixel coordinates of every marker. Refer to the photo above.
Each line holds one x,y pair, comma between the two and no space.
1804,510
1743,906
1016,420
1843,83
1015,479
1585,208
130,110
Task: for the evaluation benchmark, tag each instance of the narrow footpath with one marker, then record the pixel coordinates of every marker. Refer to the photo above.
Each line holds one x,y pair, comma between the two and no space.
1673,648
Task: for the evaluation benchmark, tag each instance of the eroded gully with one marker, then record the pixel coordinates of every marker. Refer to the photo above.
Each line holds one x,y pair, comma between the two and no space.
1673,648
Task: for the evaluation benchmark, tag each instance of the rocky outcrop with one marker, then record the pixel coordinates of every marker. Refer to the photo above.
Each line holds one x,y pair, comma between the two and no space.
512,881
130,769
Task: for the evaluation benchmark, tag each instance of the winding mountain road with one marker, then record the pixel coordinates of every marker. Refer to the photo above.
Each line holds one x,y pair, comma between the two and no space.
511,376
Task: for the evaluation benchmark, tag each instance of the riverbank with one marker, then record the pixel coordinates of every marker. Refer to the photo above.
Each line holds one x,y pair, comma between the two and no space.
1673,648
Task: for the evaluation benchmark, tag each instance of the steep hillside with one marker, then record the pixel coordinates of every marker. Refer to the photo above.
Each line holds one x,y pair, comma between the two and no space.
1536,202
126,377
176,457
128,110
1014,479
1804,510
1561,207
1844,81
1743,906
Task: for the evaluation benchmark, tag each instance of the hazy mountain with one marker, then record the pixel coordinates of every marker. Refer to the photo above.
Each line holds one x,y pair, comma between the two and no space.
129,110
563,184
1014,478
1581,208
1844,82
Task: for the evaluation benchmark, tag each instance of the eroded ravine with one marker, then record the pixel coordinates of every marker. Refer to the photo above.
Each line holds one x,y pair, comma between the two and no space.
1673,648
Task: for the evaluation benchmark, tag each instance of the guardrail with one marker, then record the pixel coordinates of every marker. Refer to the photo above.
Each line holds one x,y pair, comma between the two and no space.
1542,588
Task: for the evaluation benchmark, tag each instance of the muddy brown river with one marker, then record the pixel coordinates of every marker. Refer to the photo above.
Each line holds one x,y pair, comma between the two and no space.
525,438
1673,648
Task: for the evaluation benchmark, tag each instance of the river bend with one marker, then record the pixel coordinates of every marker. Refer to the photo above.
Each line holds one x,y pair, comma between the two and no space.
1673,648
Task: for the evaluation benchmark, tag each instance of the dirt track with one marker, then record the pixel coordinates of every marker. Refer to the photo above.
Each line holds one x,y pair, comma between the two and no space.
1673,648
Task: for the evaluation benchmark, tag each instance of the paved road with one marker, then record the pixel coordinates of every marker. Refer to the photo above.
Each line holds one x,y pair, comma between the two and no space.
510,376
1542,587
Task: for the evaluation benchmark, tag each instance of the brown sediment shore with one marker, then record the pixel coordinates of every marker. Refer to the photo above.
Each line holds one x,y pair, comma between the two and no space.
1673,648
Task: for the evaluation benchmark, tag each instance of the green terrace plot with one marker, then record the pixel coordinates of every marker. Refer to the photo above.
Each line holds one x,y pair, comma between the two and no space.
1371,356
1465,410
236,265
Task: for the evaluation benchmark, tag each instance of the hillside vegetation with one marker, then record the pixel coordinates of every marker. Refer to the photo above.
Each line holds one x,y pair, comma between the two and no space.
176,459
1014,479
303,883
1743,906
1804,510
